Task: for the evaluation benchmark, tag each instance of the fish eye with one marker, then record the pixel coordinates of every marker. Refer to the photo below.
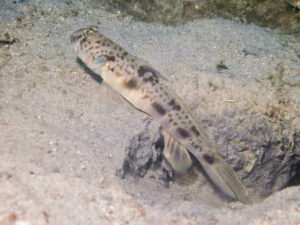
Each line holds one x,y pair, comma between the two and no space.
94,28
87,33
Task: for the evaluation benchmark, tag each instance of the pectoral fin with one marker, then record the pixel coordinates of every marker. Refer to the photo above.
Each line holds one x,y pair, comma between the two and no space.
176,154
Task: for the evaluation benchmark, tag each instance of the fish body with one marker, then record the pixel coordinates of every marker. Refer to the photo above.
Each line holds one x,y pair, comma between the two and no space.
145,89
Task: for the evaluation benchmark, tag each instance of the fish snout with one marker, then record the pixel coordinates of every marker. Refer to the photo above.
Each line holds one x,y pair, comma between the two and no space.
74,38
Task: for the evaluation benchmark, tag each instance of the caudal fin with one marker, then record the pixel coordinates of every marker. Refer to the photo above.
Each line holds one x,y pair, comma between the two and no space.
225,179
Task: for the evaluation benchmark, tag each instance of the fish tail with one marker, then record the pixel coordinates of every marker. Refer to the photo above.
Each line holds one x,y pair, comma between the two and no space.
225,179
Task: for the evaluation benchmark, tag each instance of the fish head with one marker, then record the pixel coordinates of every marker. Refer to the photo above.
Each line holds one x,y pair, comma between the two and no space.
90,46
82,36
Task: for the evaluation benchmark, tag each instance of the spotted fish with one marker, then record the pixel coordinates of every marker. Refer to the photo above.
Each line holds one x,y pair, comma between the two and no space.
145,89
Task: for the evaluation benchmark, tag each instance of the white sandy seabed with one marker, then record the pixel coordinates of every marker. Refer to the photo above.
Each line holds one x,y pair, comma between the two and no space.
63,135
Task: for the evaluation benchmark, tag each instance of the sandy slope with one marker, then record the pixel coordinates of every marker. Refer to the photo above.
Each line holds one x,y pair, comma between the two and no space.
63,135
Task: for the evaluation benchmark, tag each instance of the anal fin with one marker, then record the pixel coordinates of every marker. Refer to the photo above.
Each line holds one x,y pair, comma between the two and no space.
176,154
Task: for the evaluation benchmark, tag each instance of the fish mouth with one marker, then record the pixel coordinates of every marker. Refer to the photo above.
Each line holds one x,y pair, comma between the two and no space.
74,39
75,36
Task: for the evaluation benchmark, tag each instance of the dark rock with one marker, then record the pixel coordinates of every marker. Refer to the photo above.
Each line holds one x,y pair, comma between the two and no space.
144,153
274,14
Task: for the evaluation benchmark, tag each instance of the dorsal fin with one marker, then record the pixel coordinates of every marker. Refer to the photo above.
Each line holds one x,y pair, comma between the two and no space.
149,68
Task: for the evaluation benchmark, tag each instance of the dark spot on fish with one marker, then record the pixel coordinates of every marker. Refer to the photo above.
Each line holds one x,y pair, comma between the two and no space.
172,102
112,69
174,106
159,108
123,55
110,58
131,84
208,158
98,42
141,71
152,77
183,133
195,130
